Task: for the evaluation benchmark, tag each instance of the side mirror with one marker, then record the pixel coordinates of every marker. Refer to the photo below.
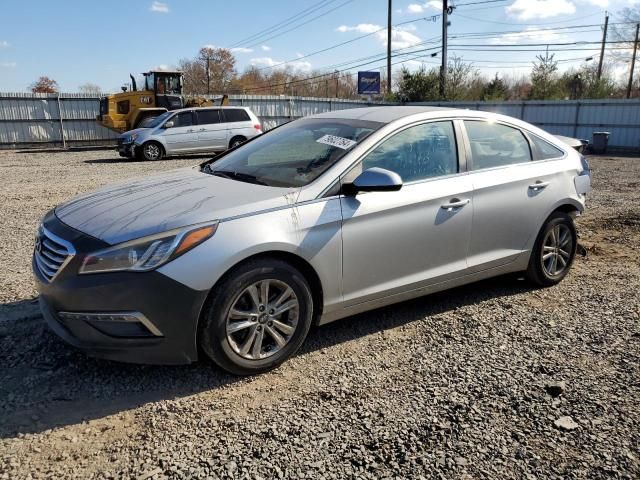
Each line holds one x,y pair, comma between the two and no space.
375,180
169,124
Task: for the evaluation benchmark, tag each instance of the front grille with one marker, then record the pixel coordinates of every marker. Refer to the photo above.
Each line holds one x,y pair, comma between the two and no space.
51,253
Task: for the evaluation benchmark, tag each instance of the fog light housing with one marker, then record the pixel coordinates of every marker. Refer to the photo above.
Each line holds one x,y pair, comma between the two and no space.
115,324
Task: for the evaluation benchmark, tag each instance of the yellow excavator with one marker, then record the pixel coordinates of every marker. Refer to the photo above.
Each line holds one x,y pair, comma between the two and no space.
162,91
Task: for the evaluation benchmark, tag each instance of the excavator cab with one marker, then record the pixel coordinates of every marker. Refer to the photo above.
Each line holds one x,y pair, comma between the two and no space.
167,88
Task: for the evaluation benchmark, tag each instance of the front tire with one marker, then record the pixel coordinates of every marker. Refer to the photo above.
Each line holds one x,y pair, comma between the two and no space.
258,317
554,251
152,151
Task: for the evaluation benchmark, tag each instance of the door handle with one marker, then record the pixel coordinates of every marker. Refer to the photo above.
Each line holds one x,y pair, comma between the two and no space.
539,185
202,130
455,203
190,131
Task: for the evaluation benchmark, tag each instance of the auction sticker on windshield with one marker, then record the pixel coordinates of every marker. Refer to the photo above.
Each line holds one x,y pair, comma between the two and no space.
340,142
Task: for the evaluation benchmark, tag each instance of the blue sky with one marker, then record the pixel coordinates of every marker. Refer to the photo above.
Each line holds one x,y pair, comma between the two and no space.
75,42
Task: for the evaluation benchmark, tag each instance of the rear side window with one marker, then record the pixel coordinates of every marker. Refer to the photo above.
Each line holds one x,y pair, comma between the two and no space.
206,117
496,145
544,150
235,115
419,152
184,119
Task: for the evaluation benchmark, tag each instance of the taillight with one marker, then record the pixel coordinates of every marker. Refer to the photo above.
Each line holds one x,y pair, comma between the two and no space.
257,126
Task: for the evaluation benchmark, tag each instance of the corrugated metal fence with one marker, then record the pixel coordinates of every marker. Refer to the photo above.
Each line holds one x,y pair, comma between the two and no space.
28,119
573,118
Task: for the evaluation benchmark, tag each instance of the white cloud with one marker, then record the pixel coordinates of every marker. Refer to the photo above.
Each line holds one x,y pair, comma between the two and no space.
599,3
421,7
8,65
159,7
265,48
400,37
532,9
530,34
270,62
4,44
161,67
241,50
210,46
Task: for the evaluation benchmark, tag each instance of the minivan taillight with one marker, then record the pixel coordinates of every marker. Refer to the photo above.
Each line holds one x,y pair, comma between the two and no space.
257,126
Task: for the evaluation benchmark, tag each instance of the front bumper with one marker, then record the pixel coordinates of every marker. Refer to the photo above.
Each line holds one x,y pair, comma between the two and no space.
126,149
170,309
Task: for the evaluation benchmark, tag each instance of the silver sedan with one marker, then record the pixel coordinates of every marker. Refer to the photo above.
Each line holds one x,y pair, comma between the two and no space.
317,220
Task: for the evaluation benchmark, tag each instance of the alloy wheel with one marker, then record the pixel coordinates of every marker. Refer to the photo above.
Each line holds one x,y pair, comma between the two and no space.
556,250
262,319
152,151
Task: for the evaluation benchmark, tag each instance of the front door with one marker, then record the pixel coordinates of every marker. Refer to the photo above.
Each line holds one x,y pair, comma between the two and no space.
399,241
181,136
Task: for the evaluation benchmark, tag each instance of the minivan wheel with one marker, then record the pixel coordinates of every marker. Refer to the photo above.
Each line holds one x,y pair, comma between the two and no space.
258,317
235,141
554,251
152,151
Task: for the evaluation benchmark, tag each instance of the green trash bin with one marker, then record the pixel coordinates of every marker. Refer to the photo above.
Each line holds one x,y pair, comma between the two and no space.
600,142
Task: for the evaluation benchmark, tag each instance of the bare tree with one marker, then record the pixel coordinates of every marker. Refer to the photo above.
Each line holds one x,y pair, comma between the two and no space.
44,84
90,89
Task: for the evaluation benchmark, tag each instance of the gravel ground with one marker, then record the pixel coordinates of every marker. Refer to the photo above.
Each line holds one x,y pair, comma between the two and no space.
492,380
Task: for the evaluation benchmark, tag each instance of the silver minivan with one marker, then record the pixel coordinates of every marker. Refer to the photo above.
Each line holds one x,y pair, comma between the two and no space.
315,220
190,130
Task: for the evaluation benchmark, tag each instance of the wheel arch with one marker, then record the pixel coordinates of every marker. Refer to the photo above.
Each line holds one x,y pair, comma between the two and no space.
234,137
305,268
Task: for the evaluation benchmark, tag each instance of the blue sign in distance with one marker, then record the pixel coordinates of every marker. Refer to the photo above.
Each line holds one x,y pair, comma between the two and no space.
368,83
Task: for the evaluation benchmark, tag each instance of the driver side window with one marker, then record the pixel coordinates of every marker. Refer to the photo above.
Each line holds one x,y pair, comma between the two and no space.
417,153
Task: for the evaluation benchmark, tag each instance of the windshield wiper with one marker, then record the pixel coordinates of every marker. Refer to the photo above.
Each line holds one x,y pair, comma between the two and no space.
242,177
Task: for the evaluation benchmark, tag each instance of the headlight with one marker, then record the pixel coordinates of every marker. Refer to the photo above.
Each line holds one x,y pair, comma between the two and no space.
130,138
147,253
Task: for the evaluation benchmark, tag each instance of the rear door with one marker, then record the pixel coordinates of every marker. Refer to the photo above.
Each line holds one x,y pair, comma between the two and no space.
239,123
511,192
181,136
212,133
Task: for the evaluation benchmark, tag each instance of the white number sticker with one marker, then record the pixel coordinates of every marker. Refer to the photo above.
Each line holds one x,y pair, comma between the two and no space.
340,142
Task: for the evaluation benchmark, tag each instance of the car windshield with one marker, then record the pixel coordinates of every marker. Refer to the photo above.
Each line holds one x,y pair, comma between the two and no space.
292,155
156,121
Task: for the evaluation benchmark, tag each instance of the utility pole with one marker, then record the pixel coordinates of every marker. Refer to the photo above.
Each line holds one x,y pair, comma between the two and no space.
208,76
633,62
389,48
443,67
604,41
337,75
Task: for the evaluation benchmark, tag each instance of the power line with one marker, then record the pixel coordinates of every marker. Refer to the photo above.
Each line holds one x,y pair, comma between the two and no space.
478,3
301,24
287,21
337,45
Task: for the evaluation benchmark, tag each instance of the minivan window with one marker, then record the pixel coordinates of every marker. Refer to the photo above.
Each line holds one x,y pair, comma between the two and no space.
183,119
157,121
544,149
294,154
235,115
496,145
206,117
418,152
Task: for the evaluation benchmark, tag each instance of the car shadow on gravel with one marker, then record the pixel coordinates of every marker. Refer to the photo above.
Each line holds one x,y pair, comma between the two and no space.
45,383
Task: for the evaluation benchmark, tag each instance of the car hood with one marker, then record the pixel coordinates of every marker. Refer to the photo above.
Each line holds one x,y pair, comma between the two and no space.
133,132
165,201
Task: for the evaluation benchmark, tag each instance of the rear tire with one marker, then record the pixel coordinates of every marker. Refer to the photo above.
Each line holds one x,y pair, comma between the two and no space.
243,331
152,151
554,251
235,141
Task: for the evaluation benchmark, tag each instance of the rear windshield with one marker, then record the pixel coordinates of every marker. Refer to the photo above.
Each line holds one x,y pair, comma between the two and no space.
293,155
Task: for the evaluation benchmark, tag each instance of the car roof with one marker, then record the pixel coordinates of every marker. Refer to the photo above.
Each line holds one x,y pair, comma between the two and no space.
382,114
